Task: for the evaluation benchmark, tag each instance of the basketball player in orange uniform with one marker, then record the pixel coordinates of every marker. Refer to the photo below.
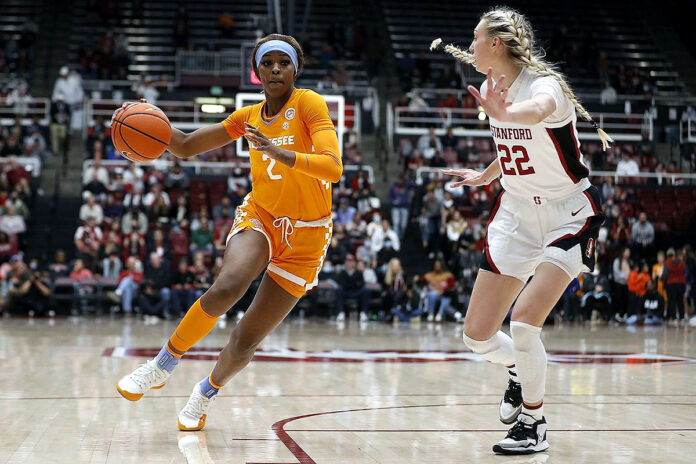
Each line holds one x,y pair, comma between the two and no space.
283,226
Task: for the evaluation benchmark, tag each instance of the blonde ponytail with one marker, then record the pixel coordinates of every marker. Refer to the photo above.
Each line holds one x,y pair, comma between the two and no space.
513,29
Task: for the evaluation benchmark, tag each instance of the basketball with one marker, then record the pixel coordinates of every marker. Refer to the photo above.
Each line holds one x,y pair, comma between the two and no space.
141,133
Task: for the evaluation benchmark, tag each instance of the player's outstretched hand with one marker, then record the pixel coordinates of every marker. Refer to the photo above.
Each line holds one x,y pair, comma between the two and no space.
493,103
258,141
124,106
469,177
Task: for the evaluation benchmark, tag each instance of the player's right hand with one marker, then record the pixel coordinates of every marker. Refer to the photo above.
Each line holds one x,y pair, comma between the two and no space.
469,177
124,106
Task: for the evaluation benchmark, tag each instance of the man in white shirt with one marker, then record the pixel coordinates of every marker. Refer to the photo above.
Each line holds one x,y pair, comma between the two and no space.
627,166
608,95
426,141
102,175
91,210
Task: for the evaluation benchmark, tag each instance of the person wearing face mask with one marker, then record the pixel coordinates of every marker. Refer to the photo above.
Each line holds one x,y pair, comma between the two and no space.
283,226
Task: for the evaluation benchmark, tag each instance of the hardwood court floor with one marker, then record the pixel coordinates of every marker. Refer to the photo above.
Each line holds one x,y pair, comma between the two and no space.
320,393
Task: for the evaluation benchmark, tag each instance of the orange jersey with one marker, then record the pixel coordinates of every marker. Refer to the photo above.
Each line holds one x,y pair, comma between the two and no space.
277,188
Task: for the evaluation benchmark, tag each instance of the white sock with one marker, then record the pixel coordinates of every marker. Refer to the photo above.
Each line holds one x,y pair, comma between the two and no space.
497,349
537,412
530,357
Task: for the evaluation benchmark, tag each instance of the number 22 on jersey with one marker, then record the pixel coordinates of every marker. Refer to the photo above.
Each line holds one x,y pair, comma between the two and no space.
521,170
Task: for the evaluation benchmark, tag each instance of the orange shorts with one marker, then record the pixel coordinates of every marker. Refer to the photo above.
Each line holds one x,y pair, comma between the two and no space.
296,248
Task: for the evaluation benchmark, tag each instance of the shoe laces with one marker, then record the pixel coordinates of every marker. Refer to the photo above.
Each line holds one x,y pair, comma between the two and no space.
521,430
146,374
513,394
197,405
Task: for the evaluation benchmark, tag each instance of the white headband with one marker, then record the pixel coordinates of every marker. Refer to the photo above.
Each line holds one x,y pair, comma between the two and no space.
277,46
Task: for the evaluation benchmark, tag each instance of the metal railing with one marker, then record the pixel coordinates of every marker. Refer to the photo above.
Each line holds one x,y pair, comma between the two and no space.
209,167
472,122
40,107
207,63
662,178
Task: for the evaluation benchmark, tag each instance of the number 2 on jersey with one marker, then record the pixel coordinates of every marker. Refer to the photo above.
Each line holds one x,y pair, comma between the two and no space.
269,170
519,161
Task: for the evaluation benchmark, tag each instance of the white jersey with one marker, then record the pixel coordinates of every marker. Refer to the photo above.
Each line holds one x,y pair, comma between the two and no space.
542,160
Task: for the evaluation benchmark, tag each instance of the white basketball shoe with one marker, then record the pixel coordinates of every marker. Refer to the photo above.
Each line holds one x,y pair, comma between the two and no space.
146,376
527,436
193,416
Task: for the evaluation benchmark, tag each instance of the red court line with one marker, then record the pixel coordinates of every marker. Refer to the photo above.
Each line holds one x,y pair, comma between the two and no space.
304,458
482,430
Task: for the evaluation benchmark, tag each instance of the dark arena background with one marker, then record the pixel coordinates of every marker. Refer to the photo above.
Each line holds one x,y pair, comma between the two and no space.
100,258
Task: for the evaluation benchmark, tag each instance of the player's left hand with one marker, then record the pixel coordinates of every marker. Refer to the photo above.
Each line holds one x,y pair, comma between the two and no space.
493,103
257,140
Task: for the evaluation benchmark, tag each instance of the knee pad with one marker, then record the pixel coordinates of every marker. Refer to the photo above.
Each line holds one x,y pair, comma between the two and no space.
497,349
530,360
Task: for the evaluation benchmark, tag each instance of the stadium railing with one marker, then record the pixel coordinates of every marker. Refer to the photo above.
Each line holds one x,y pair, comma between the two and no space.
40,107
661,178
209,167
472,122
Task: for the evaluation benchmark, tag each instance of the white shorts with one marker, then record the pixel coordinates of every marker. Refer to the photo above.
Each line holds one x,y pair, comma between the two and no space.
524,232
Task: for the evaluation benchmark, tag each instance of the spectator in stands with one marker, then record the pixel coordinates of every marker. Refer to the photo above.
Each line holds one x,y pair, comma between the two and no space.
80,272
69,85
91,210
94,188
60,127
429,143
608,94
383,234
113,241
449,140
12,147
159,244
643,236
202,238
183,294
203,278
146,90
440,281
652,305
177,178
111,266
35,144
180,212
400,201
26,293
393,283
627,166
97,131
134,219
96,171
621,268
133,176
59,267
351,287
12,223
596,305
620,233
384,255
636,282
157,202
345,212
7,247
674,276
127,289
155,297
408,305
15,201
134,245
113,211
135,198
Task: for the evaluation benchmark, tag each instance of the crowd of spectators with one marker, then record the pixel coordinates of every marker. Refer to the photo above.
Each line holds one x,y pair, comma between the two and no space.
17,49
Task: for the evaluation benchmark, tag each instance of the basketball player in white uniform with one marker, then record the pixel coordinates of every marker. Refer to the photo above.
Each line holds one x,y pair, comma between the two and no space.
544,222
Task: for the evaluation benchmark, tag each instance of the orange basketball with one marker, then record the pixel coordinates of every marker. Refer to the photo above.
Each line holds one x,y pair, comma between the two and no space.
141,132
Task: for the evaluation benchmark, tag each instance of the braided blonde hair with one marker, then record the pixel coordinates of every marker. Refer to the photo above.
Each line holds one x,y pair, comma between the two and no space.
514,30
